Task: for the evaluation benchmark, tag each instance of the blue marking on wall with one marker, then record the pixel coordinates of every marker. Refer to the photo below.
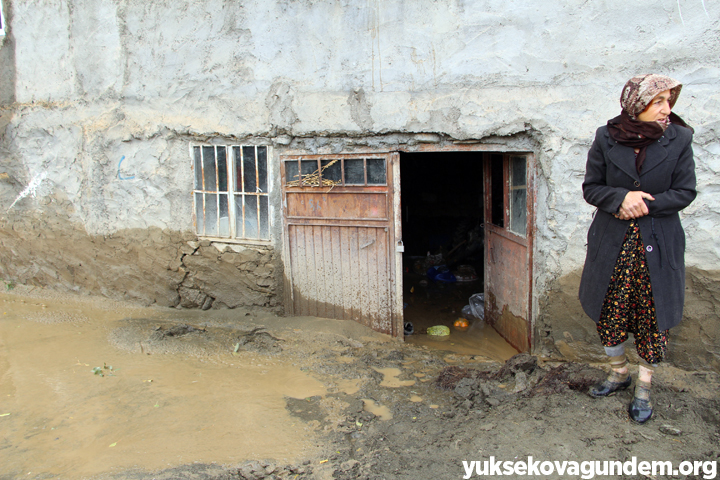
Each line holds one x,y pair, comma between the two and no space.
120,176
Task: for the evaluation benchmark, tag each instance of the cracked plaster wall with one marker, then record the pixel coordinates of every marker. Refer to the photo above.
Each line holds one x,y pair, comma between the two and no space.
94,81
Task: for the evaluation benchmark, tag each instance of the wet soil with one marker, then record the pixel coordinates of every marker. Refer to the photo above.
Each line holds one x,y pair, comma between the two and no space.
91,388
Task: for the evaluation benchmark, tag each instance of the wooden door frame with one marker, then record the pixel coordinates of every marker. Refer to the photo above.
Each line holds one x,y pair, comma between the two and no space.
504,232
531,229
393,228
397,215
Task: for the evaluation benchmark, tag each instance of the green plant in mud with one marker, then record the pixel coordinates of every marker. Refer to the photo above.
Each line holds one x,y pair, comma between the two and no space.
102,371
9,284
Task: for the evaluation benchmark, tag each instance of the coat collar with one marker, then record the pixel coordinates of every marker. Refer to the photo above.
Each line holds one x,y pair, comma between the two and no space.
624,157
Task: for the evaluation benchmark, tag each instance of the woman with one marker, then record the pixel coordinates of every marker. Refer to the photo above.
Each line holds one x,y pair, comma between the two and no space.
640,173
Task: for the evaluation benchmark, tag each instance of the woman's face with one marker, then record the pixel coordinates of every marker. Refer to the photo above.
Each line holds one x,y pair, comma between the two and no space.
658,110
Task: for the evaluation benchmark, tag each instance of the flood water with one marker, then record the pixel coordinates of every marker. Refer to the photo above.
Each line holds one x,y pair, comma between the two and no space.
151,411
85,394
434,303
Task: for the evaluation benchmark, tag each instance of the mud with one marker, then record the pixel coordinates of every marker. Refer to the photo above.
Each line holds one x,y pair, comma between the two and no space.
150,266
564,331
91,388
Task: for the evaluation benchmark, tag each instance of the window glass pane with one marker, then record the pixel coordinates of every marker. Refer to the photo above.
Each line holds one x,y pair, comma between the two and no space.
262,169
211,214
237,163
332,170
199,216
307,169
376,171
209,169
222,169
497,193
197,156
239,232
518,196
224,227
518,171
249,176
291,171
251,219
264,217
354,172
518,211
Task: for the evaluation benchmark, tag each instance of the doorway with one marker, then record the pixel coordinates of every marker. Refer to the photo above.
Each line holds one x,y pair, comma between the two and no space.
462,214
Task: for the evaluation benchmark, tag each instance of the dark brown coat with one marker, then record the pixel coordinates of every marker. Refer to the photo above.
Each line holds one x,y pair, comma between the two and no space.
668,175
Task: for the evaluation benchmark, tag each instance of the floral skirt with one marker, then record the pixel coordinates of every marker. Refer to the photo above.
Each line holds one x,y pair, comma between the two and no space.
629,306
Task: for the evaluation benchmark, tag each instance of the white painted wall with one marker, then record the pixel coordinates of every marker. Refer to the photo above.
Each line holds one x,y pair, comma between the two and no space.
98,80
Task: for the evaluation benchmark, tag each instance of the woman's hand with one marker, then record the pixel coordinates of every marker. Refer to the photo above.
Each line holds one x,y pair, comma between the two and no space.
634,205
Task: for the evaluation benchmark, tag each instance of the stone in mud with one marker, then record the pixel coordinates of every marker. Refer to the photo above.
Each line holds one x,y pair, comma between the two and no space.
260,341
670,430
176,331
521,382
522,362
207,303
466,388
395,355
348,470
191,297
349,342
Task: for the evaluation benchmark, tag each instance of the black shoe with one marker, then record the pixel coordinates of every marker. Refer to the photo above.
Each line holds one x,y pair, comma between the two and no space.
640,410
607,387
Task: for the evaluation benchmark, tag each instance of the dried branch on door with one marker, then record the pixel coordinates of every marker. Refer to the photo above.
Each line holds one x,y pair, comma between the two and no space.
313,179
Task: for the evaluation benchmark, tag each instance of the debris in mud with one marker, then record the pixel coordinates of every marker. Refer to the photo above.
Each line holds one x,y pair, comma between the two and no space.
567,376
102,371
176,331
259,470
258,340
519,376
670,430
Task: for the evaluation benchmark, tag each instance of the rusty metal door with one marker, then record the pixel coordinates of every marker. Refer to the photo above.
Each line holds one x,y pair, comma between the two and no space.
509,200
342,260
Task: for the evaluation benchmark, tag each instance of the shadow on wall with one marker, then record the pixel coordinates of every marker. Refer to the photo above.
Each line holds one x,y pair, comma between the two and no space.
565,332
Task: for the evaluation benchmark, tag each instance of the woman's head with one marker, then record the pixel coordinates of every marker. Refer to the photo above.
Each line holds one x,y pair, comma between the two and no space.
650,96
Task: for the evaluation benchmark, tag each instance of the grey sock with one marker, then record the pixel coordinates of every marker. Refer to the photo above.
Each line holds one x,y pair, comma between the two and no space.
615,351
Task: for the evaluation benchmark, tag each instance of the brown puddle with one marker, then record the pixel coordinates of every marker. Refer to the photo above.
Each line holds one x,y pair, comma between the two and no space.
480,339
57,417
381,411
390,378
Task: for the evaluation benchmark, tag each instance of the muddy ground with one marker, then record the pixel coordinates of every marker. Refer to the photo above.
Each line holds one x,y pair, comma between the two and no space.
91,388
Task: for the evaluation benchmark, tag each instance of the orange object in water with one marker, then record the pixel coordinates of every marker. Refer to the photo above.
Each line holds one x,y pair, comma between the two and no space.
461,324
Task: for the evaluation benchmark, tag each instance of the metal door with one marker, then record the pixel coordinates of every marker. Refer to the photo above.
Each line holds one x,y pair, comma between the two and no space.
342,260
509,202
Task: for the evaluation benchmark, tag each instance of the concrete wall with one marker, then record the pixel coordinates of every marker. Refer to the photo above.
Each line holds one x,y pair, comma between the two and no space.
92,81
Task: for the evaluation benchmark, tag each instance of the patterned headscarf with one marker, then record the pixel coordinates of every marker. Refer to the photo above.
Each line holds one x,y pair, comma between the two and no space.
639,92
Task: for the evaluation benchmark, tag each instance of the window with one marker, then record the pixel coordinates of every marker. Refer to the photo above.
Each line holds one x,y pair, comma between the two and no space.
508,187
2,20
338,171
231,191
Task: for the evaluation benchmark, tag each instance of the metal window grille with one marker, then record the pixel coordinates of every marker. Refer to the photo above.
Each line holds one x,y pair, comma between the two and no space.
231,191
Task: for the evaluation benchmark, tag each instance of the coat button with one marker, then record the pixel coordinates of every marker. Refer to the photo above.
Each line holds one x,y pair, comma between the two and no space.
649,248
637,184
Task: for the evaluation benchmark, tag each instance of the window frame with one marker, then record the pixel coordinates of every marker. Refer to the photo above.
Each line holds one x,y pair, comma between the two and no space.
3,27
501,206
232,192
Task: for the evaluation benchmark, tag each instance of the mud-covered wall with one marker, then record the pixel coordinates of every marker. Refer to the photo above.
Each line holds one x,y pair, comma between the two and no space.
92,83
